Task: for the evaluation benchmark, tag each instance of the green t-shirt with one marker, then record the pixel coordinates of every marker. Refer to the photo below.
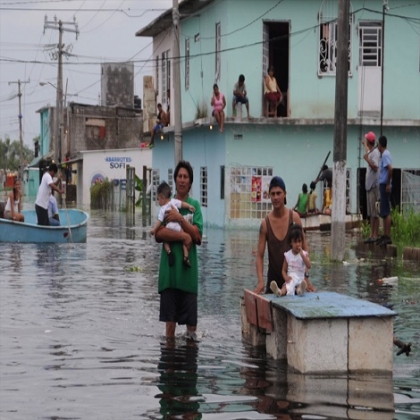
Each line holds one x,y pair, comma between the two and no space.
303,199
179,276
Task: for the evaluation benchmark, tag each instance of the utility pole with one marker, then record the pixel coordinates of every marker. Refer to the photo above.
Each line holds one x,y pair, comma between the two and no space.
59,25
177,83
338,226
20,129
384,8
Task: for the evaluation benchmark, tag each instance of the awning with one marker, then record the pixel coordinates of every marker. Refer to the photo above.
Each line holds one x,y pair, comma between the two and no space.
35,162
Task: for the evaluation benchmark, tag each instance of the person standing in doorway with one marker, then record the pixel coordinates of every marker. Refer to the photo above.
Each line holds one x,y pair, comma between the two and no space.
372,157
385,187
178,284
276,225
43,196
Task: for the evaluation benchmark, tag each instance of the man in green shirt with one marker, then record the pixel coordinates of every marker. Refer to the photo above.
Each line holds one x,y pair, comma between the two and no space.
178,284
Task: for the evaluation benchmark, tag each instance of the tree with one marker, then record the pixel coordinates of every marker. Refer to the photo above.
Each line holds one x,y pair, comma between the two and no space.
10,154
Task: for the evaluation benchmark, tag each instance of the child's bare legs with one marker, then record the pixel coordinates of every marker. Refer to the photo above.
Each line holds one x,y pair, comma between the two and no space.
171,258
275,289
186,259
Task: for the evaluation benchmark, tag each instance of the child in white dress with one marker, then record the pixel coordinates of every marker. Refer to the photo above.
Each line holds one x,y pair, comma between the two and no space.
296,262
167,203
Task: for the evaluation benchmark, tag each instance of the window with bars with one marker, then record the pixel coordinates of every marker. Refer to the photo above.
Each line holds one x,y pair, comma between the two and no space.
166,76
218,48
203,186
157,75
171,180
327,45
370,44
249,196
155,184
187,63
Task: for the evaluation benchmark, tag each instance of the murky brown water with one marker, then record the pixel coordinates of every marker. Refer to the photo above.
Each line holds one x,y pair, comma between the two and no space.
80,336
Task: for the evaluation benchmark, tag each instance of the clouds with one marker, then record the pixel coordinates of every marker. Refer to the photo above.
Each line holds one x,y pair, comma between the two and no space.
107,34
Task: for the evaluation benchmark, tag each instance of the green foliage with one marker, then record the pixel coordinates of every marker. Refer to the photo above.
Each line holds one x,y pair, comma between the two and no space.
139,187
10,154
405,229
101,195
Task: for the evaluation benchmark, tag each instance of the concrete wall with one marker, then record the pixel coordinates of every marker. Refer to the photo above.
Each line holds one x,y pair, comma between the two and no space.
111,164
100,128
310,95
295,153
117,84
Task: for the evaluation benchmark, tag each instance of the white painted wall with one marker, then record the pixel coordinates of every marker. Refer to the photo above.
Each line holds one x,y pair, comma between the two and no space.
110,164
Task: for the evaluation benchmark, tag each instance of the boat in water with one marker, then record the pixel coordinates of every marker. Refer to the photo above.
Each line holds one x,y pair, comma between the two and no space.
73,228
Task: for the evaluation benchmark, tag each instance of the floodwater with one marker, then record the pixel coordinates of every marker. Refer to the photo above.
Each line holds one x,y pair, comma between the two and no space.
80,336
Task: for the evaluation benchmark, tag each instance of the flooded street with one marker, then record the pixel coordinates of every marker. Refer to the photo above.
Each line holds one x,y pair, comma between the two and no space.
80,336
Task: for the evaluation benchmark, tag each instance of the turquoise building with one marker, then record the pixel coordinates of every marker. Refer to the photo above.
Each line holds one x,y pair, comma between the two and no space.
222,39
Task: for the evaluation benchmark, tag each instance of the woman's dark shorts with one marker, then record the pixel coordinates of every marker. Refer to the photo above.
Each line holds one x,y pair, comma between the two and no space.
178,306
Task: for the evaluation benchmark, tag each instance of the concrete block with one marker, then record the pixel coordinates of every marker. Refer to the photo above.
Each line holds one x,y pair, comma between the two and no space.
369,344
276,341
318,345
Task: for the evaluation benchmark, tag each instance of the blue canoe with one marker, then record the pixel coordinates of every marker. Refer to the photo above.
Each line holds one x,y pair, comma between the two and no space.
30,232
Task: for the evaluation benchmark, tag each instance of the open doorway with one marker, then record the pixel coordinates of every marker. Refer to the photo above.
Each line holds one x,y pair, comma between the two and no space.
276,53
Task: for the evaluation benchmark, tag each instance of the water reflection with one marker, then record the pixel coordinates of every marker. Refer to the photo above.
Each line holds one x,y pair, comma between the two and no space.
81,322
179,397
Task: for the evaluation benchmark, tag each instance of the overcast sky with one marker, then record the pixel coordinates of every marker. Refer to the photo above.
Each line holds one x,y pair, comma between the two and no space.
107,34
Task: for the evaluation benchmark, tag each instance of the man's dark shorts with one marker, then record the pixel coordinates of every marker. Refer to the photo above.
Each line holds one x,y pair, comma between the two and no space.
241,99
384,198
42,215
178,306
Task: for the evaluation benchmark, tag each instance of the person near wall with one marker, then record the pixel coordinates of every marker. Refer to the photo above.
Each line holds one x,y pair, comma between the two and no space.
53,215
178,284
326,177
302,202
161,121
218,102
13,208
385,187
239,95
372,157
312,208
274,232
44,191
272,92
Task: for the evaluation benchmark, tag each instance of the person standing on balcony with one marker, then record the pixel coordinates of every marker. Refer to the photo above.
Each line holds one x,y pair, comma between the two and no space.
272,92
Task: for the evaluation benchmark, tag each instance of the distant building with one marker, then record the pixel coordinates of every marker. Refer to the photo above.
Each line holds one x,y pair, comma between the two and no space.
117,84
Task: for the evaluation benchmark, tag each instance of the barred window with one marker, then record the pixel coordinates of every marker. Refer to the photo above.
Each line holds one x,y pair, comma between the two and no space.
187,63
327,46
218,48
171,180
155,184
203,186
249,196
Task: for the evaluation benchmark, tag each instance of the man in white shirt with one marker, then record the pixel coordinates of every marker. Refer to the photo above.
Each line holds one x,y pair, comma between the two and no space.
43,196
53,215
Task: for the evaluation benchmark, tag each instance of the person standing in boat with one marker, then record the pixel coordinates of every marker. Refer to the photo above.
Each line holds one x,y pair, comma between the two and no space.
43,196
13,208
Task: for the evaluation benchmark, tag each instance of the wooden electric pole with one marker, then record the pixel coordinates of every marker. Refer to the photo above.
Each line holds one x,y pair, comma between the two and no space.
177,83
338,225
20,129
59,25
